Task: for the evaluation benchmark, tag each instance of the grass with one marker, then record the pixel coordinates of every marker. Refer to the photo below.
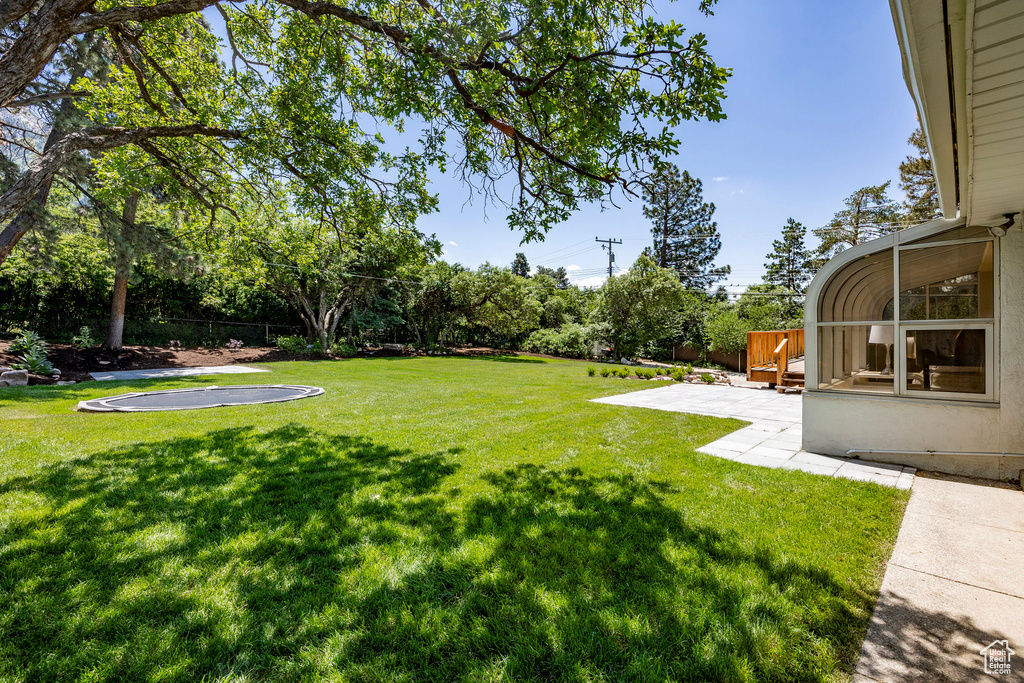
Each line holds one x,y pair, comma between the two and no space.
429,519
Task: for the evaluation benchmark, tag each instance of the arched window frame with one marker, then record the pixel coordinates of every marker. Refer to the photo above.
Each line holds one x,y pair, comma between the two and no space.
898,244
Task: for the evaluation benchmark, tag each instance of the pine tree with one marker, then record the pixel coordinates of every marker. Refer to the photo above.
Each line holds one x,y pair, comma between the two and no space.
917,180
560,275
520,266
685,238
788,264
869,214
132,241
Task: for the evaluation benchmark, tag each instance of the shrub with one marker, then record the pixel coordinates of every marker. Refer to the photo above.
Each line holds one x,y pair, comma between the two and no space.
35,362
568,341
342,349
727,332
678,375
623,373
689,368
234,344
291,344
28,342
591,372
84,338
606,371
707,377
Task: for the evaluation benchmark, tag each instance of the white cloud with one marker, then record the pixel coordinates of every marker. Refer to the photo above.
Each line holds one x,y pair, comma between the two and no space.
572,268
452,242
595,281
720,178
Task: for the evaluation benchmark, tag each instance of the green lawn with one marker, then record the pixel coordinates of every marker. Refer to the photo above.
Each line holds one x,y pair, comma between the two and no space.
440,519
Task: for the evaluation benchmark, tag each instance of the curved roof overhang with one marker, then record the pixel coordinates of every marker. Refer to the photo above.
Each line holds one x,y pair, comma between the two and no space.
868,249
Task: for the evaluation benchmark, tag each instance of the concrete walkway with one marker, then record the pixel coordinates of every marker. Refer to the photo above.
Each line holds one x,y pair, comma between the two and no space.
163,373
954,585
771,440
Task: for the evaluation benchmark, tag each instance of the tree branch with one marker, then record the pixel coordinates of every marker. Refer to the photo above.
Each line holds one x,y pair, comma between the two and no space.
47,97
42,169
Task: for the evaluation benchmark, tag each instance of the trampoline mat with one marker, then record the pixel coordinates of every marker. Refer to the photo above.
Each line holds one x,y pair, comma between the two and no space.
200,397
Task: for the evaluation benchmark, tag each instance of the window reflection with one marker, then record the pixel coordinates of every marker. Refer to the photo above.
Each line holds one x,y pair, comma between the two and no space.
947,283
856,358
946,360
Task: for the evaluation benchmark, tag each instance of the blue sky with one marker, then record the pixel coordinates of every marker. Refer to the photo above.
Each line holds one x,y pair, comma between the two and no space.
816,107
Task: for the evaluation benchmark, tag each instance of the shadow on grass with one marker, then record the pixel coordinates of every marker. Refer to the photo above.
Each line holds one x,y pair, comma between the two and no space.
293,554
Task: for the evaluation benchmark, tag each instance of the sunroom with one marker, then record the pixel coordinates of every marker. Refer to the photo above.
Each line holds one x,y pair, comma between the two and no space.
914,316
905,351
915,341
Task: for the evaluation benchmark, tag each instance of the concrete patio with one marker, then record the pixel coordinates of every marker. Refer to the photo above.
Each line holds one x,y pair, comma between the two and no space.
771,440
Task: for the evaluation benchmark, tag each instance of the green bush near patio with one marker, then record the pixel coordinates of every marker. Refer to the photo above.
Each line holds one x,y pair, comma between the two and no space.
430,519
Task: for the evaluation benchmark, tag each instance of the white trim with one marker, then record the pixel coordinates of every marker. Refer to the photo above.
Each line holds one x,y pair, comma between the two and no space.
913,77
968,201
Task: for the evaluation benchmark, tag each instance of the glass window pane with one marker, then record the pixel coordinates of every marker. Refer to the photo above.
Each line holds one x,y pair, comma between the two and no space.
856,358
946,360
947,283
860,290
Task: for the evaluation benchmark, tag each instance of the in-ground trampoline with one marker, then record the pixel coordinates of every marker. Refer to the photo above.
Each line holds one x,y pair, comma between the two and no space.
200,397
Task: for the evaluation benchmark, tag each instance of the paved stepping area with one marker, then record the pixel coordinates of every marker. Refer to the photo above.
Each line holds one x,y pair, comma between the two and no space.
773,439
953,587
163,373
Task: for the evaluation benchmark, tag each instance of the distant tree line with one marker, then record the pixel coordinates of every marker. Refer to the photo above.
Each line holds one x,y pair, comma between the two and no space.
365,282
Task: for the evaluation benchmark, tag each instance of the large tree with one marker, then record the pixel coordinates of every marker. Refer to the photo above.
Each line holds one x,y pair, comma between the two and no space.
134,239
46,123
571,102
638,306
686,239
560,275
789,263
917,180
869,213
327,274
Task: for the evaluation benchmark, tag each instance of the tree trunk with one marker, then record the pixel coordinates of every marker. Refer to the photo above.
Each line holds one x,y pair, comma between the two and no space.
22,223
122,271
115,328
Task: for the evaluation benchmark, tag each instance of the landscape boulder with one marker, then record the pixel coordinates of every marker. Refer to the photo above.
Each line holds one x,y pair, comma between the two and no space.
14,378
697,377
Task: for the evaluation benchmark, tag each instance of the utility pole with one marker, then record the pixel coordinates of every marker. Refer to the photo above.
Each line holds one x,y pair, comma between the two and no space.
611,254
